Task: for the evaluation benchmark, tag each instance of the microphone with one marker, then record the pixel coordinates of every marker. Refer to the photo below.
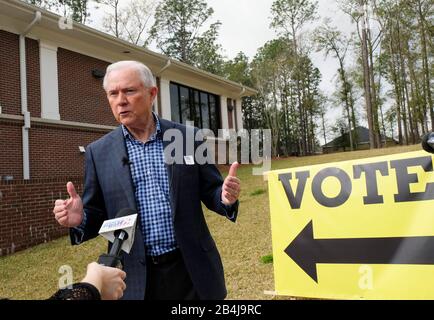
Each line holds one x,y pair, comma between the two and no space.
118,231
428,142
126,161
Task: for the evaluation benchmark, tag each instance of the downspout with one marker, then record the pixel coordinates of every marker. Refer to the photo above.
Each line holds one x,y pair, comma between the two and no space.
23,85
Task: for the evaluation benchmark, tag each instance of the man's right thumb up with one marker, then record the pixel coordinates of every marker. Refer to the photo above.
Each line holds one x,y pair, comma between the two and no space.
71,190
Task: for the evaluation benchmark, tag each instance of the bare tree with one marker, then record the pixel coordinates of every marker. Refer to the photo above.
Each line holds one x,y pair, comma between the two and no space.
288,18
332,41
130,22
358,10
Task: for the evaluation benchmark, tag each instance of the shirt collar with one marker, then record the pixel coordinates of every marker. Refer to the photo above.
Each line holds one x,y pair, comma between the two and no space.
153,136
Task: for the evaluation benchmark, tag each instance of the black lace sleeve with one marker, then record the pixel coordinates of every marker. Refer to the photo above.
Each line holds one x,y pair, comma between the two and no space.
79,291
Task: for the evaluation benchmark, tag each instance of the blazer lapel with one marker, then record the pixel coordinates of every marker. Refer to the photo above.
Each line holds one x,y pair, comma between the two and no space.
171,172
121,167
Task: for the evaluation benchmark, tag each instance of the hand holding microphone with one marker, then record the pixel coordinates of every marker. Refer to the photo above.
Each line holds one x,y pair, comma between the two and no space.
116,231
109,281
69,213
105,275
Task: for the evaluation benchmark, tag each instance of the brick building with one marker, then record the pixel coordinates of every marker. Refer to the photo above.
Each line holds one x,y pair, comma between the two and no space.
52,103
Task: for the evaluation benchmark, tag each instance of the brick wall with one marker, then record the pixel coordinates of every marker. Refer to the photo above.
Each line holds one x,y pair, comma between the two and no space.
26,217
81,96
9,73
54,151
33,78
10,96
11,152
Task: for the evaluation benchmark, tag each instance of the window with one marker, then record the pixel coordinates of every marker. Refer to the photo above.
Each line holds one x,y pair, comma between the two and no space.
213,112
174,102
204,106
188,104
185,105
197,110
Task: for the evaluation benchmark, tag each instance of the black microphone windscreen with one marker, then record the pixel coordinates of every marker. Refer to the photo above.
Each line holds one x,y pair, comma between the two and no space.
427,142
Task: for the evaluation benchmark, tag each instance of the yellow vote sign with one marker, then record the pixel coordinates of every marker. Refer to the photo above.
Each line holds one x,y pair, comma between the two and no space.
361,229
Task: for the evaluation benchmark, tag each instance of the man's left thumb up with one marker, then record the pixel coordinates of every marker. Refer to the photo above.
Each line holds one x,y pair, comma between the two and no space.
233,169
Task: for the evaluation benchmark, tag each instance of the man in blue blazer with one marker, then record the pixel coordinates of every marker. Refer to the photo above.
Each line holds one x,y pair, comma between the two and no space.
173,254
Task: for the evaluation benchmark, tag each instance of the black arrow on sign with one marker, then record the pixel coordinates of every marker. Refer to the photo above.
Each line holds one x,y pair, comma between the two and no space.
307,251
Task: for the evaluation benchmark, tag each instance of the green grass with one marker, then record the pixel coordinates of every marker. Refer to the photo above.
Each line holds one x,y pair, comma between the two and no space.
34,273
258,192
267,259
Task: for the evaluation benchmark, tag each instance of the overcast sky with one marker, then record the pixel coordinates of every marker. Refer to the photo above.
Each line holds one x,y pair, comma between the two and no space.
246,27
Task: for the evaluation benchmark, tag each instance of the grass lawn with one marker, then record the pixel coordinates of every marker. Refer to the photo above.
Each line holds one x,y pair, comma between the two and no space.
244,246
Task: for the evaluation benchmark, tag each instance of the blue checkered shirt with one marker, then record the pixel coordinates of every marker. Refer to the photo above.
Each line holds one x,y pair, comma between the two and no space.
151,185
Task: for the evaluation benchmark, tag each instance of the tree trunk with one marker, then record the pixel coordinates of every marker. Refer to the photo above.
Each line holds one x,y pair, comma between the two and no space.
419,111
302,128
428,96
367,87
345,88
405,88
323,126
400,79
392,66
374,92
353,117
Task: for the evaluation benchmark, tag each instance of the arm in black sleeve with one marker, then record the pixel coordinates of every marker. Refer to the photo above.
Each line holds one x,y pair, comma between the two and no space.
79,291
